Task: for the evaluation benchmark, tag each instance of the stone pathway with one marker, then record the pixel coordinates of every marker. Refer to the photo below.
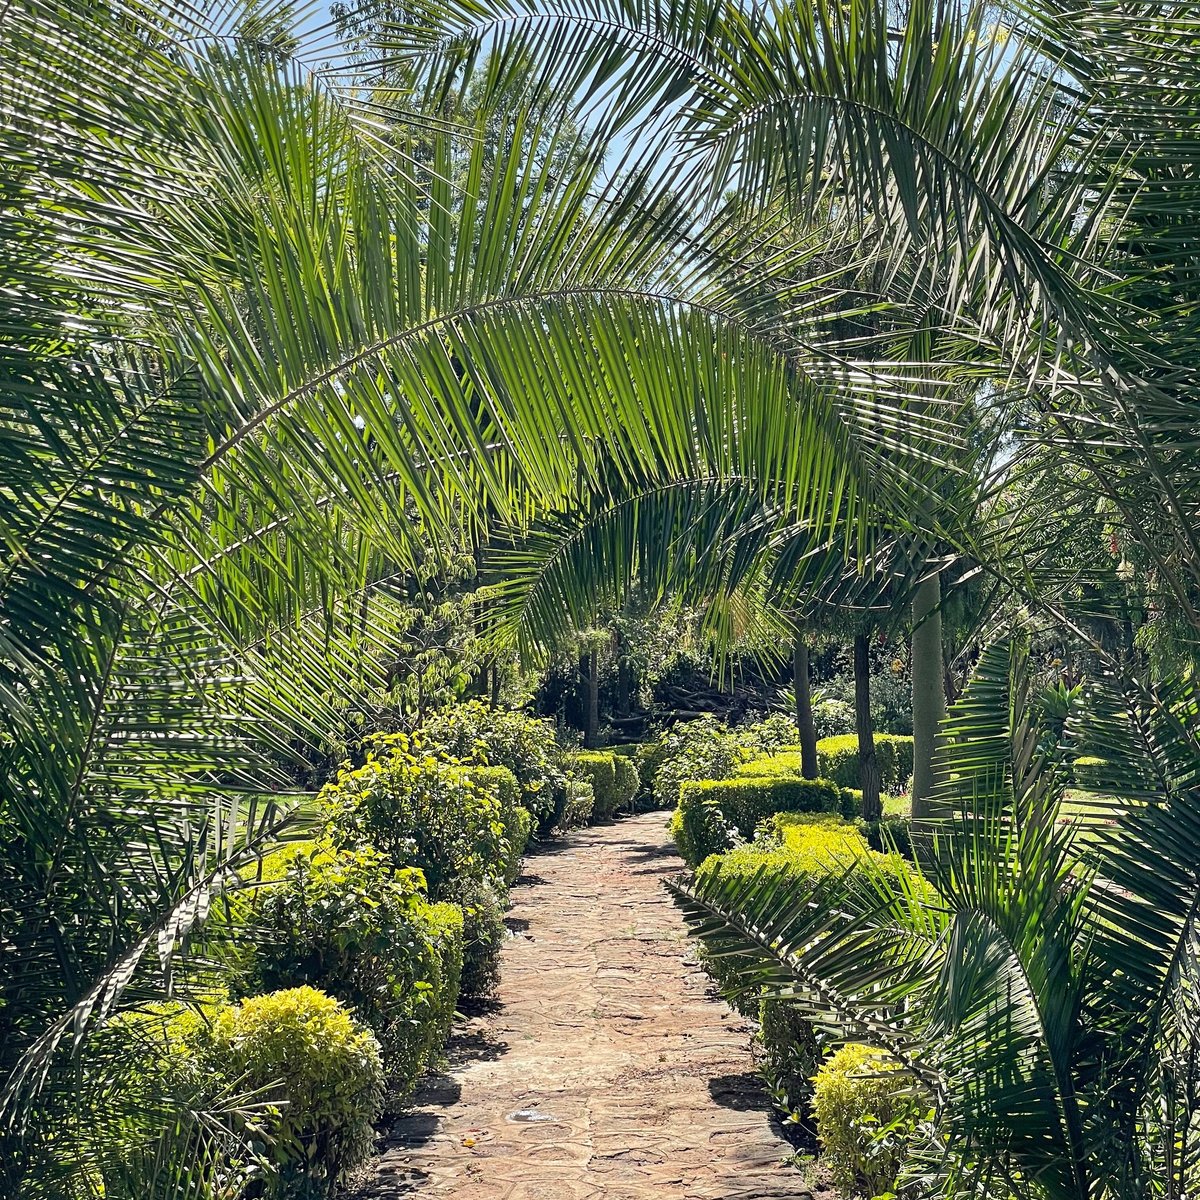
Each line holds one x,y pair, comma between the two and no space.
604,1069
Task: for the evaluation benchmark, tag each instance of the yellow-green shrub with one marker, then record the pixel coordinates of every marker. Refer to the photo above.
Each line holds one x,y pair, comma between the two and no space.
343,921
1091,773
613,778
306,1053
816,849
786,761
421,811
578,804
866,1110
484,933
516,820
628,781
714,813
837,759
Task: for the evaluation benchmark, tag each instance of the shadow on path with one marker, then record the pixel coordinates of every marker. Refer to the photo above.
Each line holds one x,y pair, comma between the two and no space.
604,1069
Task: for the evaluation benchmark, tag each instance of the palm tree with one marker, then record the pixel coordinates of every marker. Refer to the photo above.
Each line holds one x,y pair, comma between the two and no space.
1045,997
257,368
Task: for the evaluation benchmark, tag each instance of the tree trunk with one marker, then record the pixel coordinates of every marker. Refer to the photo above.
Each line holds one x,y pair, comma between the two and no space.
868,768
495,684
928,694
591,728
804,712
624,697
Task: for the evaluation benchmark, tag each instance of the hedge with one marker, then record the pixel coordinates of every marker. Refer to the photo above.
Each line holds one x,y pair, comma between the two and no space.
613,777
501,784
713,814
1092,774
804,847
837,759
866,1113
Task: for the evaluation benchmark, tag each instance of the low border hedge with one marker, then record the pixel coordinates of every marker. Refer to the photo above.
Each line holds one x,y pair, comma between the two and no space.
837,759
613,777
715,814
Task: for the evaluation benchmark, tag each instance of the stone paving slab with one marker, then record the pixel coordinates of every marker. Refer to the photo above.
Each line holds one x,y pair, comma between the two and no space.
604,1069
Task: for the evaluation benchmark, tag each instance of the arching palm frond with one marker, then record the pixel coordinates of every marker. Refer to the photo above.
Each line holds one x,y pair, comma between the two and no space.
1055,1004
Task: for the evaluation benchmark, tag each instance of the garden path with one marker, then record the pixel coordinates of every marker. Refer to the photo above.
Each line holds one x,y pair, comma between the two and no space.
604,1069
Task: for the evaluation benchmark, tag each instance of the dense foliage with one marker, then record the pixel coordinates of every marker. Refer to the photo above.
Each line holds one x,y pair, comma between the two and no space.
896,343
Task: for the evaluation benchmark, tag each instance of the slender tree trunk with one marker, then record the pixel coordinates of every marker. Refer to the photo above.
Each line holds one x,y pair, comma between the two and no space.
591,729
624,696
868,768
928,694
495,685
804,712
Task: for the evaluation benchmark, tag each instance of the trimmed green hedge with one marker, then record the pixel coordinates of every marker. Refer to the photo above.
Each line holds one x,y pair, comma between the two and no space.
837,759
1091,774
867,1113
804,847
713,814
501,784
613,777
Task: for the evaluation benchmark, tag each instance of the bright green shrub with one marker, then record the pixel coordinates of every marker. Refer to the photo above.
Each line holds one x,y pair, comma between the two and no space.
343,921
832,717
770,735
628,782
792,1050
515,818
500,737
649,760
578,804
421,812
518,829
484,934
304,1051
614,779
600,770
1091,773
818,834
445,927
837,759
714,814
866,1111
163,1086
700,749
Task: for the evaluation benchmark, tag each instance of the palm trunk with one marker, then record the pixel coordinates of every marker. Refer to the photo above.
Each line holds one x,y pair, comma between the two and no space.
591,729
804,712
928,694
868,768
